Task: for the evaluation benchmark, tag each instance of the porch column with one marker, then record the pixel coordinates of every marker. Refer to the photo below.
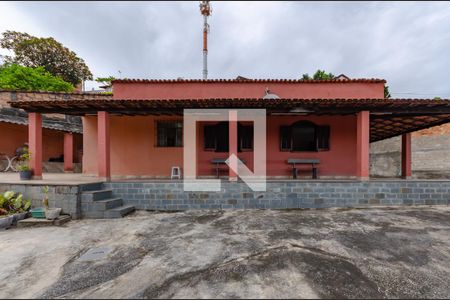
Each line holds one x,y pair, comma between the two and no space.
233,142
406,156
35,143
362,145
103,149
68,152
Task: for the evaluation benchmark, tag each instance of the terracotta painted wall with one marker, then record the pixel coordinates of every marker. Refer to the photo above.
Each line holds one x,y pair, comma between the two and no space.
14,135
247,90
133,151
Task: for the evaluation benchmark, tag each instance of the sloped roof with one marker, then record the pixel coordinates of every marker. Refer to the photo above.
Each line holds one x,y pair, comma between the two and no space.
247,80
389,117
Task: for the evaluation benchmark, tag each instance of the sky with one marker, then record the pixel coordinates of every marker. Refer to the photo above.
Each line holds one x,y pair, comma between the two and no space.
406,43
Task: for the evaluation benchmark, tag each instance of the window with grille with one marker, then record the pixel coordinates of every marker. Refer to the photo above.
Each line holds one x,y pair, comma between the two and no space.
169,133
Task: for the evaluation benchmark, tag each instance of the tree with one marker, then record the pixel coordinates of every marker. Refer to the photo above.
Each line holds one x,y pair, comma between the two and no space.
319,75
386,92
105,80
31,51
15,77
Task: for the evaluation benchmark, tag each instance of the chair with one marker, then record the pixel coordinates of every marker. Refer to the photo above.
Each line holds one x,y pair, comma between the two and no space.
175,173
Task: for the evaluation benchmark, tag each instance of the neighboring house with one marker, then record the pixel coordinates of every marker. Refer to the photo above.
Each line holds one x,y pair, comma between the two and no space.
140,132
59,131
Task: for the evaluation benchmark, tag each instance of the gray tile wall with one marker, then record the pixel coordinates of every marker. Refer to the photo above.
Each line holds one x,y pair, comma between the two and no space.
283,194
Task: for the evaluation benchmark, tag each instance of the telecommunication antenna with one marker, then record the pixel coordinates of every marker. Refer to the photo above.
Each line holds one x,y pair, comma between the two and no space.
206,10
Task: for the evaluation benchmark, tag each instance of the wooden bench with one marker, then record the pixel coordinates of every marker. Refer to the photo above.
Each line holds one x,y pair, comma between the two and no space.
220,161
295,161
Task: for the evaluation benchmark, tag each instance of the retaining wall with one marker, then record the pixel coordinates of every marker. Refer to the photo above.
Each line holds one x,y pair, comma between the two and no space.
283,194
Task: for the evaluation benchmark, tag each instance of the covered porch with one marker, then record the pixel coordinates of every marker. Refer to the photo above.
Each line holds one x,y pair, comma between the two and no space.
369,120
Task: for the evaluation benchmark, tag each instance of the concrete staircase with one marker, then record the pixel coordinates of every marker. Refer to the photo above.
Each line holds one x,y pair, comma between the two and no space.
99,203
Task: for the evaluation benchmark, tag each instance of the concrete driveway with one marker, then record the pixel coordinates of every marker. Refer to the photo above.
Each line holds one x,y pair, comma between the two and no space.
372,253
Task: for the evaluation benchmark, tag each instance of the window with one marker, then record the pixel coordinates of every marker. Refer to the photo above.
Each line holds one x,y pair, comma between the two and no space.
285,138
169,133
222,139
209,135
245,138
216,137
304,136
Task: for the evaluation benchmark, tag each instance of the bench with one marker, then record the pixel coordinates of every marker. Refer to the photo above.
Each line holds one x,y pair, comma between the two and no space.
311,162
221,161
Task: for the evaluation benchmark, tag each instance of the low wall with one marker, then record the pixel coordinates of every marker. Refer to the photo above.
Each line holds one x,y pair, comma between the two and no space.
283,194
430,155
66,197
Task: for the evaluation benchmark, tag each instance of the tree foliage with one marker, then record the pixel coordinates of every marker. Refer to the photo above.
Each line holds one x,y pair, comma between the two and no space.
15,77
319,75
387,94
105,80
31,51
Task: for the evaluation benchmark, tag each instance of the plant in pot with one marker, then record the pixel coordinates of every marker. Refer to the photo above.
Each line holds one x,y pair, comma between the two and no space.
23,168
14,207
50,213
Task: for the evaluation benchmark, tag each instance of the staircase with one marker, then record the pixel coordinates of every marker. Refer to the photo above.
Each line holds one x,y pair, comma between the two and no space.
99,203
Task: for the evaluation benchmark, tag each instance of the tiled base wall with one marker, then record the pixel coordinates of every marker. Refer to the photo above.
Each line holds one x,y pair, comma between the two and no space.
283,194
65,197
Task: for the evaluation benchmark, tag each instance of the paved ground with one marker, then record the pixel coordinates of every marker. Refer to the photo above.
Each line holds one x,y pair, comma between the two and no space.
371,253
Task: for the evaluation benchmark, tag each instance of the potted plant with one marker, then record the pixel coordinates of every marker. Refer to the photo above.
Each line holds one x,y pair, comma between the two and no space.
50,213
23,168
13,208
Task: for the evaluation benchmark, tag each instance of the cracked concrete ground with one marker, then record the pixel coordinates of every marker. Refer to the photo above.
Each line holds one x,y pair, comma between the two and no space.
358,253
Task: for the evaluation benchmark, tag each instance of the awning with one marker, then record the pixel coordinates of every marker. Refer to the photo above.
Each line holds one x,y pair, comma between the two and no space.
388,117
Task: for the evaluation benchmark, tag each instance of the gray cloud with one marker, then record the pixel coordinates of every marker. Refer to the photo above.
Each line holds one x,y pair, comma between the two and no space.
408,44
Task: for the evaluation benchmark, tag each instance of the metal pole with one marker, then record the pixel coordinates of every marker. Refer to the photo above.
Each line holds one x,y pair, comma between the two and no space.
205,47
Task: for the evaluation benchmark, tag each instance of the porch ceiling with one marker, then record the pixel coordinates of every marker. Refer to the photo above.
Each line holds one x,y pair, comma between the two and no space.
389,117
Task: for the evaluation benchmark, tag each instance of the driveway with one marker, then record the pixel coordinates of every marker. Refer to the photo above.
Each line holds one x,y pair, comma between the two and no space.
373,253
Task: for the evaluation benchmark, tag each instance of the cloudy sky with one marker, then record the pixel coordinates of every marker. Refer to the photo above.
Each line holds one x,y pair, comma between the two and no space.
408,44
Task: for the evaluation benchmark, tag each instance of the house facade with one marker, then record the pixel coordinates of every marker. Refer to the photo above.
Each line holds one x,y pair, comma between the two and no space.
139,132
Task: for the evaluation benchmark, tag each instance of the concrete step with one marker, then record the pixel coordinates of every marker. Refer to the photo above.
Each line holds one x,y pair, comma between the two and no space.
96,195
103,205
118,212
95,186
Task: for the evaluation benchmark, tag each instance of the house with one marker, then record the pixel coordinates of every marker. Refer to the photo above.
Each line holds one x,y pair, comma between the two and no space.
59,132
138,133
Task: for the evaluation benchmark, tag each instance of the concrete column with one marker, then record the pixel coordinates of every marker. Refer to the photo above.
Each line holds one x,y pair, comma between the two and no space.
362,145
68,152
233,142
103,146
35,143
406,156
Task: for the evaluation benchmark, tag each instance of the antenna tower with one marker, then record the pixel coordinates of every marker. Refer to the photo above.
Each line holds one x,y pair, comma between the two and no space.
205,9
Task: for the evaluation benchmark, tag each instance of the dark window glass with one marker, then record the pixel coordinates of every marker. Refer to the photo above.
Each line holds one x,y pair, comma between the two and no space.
222,139
285,138
323,137
304,136
209,137
169,133
245,137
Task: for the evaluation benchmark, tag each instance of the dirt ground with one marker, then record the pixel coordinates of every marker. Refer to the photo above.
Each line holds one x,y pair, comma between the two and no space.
358,253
